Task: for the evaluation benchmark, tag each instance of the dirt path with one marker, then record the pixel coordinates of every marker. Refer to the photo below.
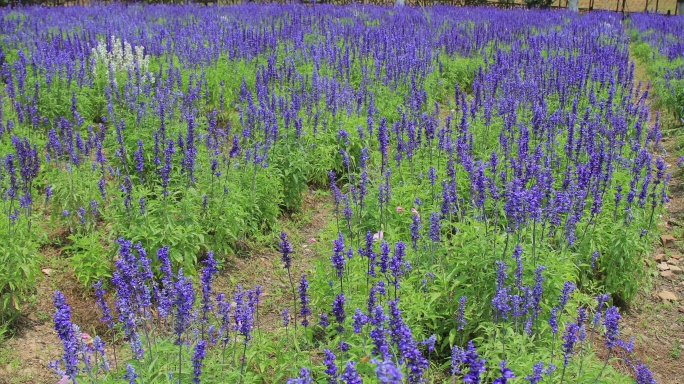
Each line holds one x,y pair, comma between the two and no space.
24,358
657,324
263,266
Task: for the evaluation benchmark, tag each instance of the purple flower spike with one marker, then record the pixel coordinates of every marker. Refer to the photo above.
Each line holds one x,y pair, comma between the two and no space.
65,331
387,372
304,300
197,361
286,250
506,374
330,367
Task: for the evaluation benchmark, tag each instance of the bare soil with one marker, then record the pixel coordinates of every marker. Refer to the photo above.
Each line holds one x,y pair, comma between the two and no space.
632,5
659,6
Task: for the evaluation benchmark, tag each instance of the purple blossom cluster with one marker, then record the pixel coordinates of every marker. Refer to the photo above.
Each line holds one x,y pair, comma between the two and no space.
148,308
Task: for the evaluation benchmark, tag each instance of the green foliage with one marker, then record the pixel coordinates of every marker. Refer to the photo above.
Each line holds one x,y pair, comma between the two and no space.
457,70
175,225
621,261
671,97
89,259
642,51
19,265
668,92
676,350
293,170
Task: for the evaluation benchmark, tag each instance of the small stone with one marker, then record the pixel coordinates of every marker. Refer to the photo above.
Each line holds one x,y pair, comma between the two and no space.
681,309
667,274
676,257
676,270
667,296
667,240
660,257
663,266
673,262
46,271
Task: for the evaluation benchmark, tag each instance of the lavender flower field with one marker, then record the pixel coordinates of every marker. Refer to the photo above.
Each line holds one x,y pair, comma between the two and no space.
486,184
658,43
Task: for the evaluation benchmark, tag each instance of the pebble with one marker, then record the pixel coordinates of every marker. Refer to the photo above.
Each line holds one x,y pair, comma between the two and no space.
667,296
667,275
667,240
